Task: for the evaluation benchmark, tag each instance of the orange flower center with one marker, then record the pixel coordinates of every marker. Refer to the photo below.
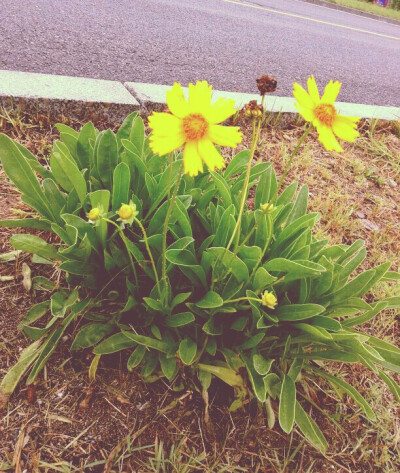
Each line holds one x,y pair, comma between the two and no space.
325,113
194,127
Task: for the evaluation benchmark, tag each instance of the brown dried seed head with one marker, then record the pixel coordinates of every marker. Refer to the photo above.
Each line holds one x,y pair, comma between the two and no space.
266,84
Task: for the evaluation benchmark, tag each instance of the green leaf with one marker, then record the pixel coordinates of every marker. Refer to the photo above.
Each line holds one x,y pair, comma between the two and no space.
124,130
90,334
148,341
210,301
136,357
300,205
223,372
35,313
266,188
256,380
84,148
230,261
261,365
302,267
287,404
35,245
237,164
187,351
168,366
101,198
121,186
351,391
113,344
67,174
19,171
262,279
223,189
60,304
391,384
35,223
179,320
187,263
295,312
14,374
107,157
310,429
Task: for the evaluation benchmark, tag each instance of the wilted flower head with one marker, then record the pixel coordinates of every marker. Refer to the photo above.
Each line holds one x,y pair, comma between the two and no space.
194,125
266,84
127,213
253,109
269,300
322,113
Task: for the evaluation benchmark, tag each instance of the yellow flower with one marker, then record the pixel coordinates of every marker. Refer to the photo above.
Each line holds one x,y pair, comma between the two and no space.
127,212
322,113
94,214
269,300
194,125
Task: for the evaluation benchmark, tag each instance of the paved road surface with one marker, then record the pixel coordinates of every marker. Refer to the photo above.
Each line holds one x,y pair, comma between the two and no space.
228,42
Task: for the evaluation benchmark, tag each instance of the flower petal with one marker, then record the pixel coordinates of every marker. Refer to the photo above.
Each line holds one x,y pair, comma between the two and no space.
306,113
200,97
302,96
164,144
164,124
176,101
225,135
221,109
210,155
327,138
313,89
344,128
331,91
192,164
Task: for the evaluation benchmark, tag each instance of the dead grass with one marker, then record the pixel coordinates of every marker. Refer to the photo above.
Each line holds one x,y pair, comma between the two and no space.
119,424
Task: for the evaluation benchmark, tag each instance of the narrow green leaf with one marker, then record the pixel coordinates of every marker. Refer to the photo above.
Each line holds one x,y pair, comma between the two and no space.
287,404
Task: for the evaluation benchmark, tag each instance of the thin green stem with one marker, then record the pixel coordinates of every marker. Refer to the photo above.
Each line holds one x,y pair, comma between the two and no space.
165,228
244,298
149,253
123,238
292,155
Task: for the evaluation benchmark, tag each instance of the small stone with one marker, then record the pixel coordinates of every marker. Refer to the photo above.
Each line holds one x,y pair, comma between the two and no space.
360,215
370,225
393,183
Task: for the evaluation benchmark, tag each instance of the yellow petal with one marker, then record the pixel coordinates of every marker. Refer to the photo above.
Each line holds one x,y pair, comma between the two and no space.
343,127
313,89
200,97
306,113
210,155
164,124
302,96
162,145
331,91
176,101
225,135
327,138
221,109
192,164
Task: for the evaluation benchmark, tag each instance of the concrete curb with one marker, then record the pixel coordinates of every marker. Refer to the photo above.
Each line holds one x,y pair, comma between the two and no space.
77,97
355,11
93,99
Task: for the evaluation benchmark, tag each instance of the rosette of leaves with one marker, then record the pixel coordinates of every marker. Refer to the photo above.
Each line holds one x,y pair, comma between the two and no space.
207,319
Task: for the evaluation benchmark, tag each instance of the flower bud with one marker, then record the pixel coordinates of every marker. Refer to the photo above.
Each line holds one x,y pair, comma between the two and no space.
269,300
267,208
94,214
125,212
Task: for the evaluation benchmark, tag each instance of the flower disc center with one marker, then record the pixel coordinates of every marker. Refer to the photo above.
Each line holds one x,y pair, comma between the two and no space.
194,127
325,113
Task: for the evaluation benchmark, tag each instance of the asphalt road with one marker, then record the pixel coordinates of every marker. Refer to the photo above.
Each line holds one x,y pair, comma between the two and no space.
227,42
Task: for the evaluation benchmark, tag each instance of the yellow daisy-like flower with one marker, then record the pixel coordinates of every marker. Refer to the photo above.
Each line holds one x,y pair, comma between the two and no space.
194,125
321,112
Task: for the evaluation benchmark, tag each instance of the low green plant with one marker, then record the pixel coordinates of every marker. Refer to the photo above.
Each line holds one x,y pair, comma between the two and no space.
248,296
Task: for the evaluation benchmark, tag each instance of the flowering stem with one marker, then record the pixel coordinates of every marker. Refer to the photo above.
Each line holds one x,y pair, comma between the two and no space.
123,238
165,228
244,298
292,155
243,195
149,253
